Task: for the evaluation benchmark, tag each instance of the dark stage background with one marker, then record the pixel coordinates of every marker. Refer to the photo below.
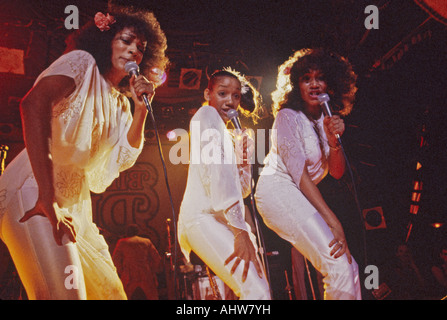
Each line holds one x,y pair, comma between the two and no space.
398,119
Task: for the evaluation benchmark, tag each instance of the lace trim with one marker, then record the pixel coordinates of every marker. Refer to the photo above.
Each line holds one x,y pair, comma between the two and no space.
235,217
68,108
69,184
96,135
79,67
125,158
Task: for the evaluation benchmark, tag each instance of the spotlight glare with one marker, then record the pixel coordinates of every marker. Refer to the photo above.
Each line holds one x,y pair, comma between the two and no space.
171,135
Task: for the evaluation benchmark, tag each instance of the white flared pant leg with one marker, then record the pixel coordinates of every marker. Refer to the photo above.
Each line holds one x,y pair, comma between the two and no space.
341,278
213,242
47,271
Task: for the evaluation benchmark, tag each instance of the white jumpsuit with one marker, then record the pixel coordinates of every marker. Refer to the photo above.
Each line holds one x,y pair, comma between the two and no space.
287,211
215,182
89,149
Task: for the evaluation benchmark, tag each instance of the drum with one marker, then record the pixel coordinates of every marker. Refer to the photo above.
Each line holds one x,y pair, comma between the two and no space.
208,287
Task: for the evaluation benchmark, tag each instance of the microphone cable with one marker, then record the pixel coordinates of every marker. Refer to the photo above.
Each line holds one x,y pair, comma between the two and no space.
357,201
132,68
324,99
261,242
174,218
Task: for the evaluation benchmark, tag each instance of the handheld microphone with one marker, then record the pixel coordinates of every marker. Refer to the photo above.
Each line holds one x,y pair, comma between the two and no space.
233,115
324,99
132,68
324,102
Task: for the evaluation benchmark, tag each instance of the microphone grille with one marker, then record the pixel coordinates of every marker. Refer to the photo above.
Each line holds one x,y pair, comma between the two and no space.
232,113
323,97
131,66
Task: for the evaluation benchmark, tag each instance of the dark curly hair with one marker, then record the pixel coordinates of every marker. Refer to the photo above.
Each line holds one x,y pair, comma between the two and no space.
251,101
98,43
338,74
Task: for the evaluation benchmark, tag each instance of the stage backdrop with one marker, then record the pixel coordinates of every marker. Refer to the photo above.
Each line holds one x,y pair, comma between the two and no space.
139,196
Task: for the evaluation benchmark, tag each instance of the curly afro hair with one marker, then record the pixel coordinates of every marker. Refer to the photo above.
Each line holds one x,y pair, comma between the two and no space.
338,74
98,43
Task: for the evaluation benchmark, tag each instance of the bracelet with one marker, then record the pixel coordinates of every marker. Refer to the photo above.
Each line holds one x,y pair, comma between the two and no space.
237,234
338,147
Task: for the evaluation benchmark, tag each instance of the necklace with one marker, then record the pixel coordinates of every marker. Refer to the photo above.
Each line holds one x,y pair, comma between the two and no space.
318,133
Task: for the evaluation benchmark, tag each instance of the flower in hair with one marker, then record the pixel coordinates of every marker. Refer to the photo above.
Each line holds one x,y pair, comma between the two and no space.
287,70
103,22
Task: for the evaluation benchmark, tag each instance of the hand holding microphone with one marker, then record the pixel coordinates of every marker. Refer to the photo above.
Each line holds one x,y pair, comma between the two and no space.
141,88
244,145
333,125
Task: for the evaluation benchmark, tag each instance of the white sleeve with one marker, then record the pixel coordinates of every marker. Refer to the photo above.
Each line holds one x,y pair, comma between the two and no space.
218,169
289,143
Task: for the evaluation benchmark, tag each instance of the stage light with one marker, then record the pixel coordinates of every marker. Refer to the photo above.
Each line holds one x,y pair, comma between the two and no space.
417,185
415,197
437,225
414,209
418,166
162,76
171,135
410,227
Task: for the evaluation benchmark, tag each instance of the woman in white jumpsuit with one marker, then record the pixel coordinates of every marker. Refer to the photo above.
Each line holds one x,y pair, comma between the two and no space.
79,135
303,149
212,214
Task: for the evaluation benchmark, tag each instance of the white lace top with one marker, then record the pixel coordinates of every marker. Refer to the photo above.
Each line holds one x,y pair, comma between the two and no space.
297,142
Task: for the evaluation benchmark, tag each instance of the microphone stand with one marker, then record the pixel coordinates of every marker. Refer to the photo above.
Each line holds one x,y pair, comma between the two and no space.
160,151
327,112
260,237
357,202
324,99
259,233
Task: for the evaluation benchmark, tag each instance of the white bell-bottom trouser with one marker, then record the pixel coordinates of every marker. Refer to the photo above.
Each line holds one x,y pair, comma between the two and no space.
213,242
72,271
47,271
341,278
312,237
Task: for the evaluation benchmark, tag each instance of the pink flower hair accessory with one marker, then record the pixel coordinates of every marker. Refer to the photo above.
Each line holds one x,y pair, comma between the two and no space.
103,22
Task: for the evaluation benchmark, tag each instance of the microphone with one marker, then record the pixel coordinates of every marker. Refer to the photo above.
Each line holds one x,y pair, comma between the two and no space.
132,68
234,118
324,102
